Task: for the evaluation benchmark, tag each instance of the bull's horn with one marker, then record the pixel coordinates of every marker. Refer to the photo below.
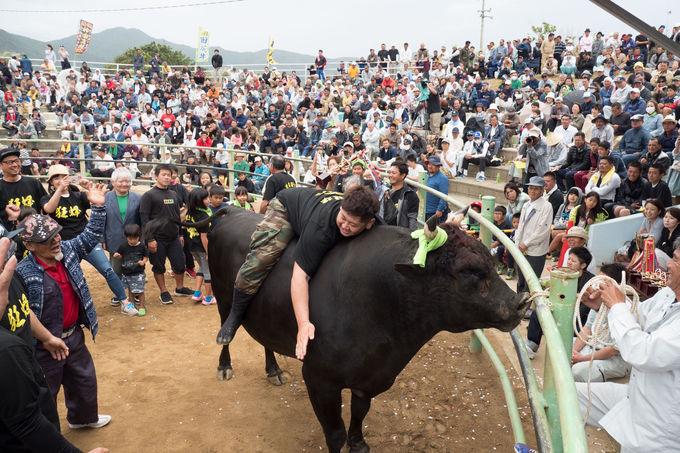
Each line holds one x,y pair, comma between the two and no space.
431,228
457,217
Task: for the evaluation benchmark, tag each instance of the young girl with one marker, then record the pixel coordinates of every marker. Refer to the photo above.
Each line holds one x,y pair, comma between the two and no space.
241,195
589,212
197,210
654,214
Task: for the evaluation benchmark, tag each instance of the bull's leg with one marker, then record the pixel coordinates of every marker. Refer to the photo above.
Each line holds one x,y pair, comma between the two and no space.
326,401
355,438
224,371
274,373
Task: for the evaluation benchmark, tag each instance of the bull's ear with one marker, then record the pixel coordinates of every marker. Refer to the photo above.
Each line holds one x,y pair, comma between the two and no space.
409,270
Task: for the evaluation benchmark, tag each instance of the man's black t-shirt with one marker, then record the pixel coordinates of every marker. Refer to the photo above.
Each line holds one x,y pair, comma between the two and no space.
70,213
132,254
195,233
28,415
157,202
26,191
312,214
247,183
276,183
16,318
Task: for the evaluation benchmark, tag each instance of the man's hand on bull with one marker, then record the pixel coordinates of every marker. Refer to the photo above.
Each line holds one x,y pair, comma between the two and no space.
152,246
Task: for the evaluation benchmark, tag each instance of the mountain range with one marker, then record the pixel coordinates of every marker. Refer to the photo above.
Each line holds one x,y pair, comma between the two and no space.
108,44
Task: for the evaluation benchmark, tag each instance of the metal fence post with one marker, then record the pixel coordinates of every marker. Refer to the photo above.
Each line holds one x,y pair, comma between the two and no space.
563,285
296,166
422,179
488,204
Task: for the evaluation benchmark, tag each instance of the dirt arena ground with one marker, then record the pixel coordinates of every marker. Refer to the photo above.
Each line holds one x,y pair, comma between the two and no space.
157,378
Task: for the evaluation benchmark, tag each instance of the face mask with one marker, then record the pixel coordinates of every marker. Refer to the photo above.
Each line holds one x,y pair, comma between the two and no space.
514,77
478,141
650,110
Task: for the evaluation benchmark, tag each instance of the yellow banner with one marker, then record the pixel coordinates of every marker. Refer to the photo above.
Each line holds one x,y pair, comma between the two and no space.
84,36
270,59
203,51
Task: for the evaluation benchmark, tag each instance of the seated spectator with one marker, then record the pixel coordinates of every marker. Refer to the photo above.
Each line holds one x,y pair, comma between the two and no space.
659,189
588,212
605,181
669,137
244,181
632,192
103,164
582,177
477,153
494,136
561,219
619,119
630,413
654,155
577,118
516,199
556,152
580,258
602,131
654,213
506,264
262,171
634,141
607,362
578,159
635,105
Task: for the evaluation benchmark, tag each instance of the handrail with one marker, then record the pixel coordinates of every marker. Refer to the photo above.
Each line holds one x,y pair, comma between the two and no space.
573,434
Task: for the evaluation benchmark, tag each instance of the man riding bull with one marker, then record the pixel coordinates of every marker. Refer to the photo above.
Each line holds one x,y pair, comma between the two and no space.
319,219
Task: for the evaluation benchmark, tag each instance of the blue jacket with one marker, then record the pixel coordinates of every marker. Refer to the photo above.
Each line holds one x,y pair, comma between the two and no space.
634,141
635,107
74,250
387,154
440,183
113,228
606,94
26,65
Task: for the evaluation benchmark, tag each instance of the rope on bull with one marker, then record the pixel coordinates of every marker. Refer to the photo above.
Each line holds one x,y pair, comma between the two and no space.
600,329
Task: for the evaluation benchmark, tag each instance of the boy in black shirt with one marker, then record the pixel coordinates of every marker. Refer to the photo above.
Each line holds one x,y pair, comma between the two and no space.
319,218
134,256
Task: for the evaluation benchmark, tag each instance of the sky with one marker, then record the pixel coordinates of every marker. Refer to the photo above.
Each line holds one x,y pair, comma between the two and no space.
342,29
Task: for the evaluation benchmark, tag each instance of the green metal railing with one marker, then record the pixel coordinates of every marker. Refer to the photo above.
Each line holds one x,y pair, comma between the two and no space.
556,414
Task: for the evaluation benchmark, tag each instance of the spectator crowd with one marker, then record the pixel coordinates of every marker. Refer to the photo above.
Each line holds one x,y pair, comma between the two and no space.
593,121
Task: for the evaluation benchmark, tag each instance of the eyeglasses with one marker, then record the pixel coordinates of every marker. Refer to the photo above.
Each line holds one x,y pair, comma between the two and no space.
11,162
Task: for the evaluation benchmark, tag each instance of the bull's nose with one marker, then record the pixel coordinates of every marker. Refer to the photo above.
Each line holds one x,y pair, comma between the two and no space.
524,302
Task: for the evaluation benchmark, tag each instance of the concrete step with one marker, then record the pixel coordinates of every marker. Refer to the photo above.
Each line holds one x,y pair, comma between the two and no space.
491,172
468,187
508,154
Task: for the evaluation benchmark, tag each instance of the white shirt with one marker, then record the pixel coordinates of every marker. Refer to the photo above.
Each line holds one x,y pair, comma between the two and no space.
104,163
648,419
414,172
606,191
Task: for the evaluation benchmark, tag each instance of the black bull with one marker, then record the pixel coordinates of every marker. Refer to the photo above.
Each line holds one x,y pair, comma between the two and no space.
372,310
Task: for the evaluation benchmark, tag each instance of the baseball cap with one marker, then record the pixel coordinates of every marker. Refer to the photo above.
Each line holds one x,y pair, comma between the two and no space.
635,90
38,228
637,117
477,134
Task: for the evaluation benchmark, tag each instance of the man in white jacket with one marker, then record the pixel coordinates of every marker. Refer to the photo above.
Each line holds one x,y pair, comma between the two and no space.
533,232
642,415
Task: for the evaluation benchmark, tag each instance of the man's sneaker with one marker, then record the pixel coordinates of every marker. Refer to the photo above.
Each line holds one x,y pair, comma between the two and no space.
128,309
103,421
500,268
166,298
210,300
481,178
114,302
510,273
183,291
191,273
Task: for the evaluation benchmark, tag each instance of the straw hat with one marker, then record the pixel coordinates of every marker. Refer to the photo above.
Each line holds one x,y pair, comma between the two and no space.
554,138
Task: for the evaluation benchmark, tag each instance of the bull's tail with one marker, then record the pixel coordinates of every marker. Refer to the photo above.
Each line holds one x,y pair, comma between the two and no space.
219,213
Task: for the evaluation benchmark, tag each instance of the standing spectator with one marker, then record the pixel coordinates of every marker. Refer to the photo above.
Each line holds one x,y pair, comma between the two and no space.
320,65
122,209
434,108
435,206
16,191
137,61
533,233
60,300
133,255
68,207
278,181
216,62
161,202
197,211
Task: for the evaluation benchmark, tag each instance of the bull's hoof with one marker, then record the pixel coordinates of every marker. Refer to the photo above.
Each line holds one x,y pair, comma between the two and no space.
277,378
224,374
361,447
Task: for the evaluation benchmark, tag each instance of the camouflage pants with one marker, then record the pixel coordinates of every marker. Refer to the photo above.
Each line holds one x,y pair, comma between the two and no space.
267,244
